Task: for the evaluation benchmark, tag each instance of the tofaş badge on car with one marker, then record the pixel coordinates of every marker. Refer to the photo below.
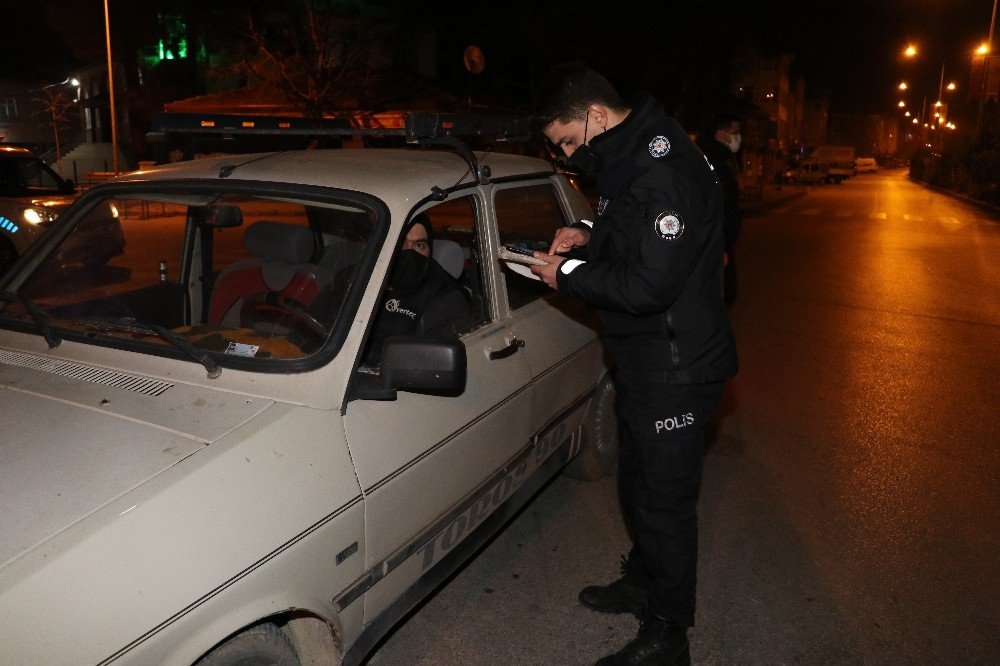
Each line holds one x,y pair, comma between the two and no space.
32,196
202,463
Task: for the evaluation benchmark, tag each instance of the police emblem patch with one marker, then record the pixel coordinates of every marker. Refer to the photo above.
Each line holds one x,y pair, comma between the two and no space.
601,205
669,225
659,146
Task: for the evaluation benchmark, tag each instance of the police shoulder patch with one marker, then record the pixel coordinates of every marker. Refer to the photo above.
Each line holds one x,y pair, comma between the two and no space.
669,225
659,146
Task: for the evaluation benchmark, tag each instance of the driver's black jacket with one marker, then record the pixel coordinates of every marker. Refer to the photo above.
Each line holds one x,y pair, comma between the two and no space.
654,267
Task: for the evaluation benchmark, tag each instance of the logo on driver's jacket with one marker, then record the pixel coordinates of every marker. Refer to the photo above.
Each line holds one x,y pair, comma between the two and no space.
392,305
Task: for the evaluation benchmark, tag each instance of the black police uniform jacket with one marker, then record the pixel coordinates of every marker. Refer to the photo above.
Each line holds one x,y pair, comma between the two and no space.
654,267
722,158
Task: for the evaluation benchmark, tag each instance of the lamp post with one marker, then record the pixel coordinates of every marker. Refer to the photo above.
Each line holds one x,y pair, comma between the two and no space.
985,50
111,91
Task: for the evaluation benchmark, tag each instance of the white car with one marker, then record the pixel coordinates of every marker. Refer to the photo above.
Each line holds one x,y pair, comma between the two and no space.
197,464
865,165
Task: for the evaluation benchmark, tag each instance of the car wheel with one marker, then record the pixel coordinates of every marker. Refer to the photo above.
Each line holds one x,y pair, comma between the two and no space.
600,436
262,645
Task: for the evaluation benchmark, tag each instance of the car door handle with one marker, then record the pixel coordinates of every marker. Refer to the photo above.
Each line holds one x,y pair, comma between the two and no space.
509,350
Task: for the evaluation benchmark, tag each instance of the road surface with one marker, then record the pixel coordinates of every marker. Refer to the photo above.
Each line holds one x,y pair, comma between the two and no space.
850,510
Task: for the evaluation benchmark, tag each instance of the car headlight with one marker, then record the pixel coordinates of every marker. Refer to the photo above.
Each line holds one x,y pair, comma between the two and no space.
37,216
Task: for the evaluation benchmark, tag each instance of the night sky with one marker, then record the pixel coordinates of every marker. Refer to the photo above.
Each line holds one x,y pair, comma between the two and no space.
845,49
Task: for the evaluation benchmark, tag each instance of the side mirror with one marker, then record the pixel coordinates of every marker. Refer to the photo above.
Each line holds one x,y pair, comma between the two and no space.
416,362
70,185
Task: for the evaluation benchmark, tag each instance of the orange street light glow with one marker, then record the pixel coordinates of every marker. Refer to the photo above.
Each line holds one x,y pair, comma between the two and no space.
910,51
902,104
983,49
903,86
907,114
952,86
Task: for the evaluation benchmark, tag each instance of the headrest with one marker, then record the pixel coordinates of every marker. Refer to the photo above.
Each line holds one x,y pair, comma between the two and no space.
279,241
449,254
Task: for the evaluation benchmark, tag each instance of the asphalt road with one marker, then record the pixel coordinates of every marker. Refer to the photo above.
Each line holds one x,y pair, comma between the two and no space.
850,509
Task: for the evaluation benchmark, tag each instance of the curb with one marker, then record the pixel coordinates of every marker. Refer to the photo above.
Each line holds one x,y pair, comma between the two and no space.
764,206
961,197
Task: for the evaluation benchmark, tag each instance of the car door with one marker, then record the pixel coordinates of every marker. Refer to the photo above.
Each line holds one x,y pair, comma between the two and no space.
429,464
559,332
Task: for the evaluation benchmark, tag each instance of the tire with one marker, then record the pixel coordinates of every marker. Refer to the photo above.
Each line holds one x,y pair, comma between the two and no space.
261,645
599,455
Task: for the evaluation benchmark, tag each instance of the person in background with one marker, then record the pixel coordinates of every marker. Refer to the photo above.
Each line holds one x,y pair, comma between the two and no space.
720,146
654,273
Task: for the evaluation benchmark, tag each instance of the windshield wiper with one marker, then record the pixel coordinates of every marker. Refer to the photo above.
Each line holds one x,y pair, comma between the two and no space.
176,339
40,316
181,343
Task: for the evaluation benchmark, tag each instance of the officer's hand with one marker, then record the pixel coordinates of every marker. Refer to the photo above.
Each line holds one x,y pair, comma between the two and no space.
548,272
567,238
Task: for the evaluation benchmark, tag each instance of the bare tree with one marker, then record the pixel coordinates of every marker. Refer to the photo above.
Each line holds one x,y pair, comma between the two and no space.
58,110
317,60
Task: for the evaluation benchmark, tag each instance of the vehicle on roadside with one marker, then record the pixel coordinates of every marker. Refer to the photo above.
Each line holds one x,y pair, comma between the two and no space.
32,196
812,173
199,464
839,158
865,165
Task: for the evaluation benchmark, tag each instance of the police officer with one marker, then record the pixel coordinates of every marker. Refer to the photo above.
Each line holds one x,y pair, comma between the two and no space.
654,272
720,147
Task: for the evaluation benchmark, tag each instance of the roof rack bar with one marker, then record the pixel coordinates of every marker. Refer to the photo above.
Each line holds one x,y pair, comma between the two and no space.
415,126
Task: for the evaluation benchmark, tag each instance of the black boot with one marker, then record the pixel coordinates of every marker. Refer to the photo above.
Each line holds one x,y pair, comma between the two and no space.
625,595
659,642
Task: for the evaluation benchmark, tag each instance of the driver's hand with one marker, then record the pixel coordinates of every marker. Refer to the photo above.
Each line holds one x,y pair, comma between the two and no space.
567,238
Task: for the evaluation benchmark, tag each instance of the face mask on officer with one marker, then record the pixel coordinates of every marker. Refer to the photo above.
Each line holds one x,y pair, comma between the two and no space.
735,141
584,158
410,269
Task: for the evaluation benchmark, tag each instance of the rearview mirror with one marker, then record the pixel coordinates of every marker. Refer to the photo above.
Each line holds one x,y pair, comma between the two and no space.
223,217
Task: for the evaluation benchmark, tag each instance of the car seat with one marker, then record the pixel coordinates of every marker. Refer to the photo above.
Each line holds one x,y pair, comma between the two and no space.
451,312
282,266
449,254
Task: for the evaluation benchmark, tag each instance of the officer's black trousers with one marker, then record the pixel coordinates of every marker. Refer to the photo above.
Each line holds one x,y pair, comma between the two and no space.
661,446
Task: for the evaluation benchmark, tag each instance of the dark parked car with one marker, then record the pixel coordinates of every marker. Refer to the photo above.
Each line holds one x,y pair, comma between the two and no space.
32,196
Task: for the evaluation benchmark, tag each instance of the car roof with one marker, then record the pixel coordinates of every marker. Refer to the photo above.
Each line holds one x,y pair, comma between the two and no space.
389,174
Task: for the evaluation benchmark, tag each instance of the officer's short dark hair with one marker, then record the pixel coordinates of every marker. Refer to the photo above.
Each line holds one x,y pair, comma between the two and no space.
724,121
568,90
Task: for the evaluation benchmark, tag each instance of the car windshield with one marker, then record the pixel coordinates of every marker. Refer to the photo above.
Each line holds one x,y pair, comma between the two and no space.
24,175
237,274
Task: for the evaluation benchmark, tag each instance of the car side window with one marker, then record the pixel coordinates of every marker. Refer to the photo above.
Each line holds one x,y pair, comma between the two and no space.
527,216
441,294
456,248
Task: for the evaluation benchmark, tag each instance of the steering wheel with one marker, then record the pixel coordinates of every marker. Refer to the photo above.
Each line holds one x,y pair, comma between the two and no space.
285,305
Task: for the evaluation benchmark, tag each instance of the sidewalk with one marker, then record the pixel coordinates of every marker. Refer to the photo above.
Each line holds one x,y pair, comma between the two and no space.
772,197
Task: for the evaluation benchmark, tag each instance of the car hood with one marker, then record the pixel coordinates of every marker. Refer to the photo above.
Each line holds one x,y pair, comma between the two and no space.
54,201
71,446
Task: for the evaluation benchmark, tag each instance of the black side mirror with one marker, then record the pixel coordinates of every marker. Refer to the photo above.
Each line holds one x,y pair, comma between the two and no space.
416,362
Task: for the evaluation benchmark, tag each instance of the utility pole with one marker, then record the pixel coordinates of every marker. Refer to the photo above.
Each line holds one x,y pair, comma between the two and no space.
111,91
986,68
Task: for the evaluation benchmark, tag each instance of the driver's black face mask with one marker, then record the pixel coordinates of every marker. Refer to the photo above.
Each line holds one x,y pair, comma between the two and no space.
409,271
584,158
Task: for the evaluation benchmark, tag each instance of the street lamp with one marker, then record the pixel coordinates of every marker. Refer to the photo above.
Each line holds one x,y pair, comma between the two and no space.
911,51
984,50
903,86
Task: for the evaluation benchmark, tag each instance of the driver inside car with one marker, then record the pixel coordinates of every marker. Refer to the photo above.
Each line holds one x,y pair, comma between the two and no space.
422,297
